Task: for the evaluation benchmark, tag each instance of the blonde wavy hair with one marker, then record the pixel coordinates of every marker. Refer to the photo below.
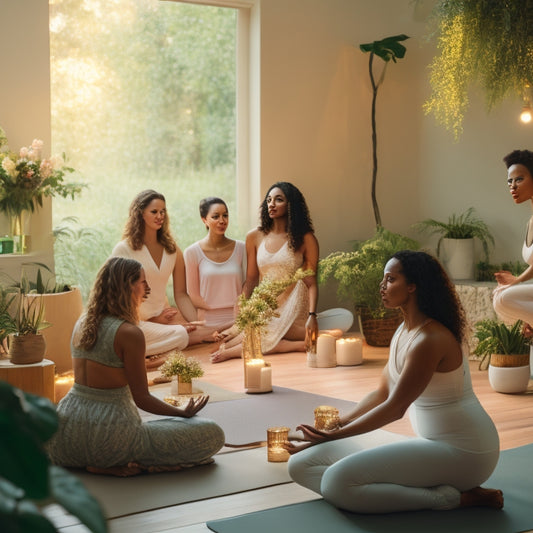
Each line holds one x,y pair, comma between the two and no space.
111,295
134,229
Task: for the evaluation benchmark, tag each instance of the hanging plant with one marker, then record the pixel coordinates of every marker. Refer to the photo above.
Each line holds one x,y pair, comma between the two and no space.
489,42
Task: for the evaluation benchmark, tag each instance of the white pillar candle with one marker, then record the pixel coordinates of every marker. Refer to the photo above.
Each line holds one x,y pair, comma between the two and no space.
258,376
325,351
266,378
349,351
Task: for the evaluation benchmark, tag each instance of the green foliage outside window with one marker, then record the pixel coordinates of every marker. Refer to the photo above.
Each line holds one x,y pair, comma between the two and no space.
143,96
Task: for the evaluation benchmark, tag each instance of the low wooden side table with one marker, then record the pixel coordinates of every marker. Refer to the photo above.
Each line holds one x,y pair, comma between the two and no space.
37,378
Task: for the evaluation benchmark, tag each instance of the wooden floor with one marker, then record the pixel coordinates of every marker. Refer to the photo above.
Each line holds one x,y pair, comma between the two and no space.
512,414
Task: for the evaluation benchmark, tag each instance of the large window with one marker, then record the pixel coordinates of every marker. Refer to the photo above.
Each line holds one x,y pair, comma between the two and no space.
143,96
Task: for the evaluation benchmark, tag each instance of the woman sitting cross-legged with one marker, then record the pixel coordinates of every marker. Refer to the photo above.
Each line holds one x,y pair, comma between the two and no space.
147,238
457,447
99,426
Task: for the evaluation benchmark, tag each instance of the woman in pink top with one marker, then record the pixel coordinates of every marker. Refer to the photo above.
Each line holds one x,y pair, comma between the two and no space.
215,267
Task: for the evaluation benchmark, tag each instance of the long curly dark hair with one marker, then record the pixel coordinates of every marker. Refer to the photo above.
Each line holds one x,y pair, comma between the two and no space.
298,218
134,229
520,157
111,295
436,295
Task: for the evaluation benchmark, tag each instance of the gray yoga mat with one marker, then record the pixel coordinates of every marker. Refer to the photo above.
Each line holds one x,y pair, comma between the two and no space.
513,475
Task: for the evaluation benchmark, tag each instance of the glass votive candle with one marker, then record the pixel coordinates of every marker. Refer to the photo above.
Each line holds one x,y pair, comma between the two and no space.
327,417
276,438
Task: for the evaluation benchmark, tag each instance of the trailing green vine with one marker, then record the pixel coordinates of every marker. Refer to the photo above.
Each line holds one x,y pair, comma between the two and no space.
488,42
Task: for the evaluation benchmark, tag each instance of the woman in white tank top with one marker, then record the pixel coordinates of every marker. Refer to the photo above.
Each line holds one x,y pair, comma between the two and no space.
361,468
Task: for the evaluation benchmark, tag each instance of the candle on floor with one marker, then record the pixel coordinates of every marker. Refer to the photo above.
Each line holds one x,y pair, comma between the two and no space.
258,376
325,351
62,384
276,438
327,417
349,351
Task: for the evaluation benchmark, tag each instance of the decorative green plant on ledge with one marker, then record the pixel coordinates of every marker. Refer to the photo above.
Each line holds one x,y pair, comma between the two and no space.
484,41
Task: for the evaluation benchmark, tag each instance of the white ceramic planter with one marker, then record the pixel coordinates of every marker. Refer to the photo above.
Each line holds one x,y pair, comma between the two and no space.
458,258
509,379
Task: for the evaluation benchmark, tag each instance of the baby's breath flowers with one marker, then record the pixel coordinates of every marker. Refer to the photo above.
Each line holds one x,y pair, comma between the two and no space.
178,364
257,310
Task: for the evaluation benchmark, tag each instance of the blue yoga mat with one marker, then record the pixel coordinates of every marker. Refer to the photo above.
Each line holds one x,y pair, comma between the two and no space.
513,475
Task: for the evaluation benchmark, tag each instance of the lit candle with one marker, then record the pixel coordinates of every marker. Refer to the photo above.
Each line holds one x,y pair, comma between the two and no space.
258,376
325,351
327,417
276,438
349,351
62,384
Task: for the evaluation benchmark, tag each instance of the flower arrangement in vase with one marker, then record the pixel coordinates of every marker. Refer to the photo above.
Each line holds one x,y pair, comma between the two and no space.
26,177
184,368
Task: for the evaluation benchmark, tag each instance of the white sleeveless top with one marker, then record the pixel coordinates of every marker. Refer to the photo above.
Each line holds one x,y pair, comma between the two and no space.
447,410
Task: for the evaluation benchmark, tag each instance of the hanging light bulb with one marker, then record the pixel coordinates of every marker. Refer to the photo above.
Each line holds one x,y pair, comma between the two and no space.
526,114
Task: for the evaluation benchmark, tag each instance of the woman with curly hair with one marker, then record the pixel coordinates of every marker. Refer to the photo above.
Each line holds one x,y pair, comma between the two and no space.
283,242
147,239
361,468
99,426
513,299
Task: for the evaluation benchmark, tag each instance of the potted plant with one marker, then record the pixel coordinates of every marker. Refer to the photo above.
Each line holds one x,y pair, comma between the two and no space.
28,481
62,306
184,368
22,320
505,350
455,246
358,274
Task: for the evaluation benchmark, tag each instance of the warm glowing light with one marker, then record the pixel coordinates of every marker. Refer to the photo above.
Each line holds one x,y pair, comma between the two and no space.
525,116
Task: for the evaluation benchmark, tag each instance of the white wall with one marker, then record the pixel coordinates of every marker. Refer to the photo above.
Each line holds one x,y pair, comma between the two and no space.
315,120
25,102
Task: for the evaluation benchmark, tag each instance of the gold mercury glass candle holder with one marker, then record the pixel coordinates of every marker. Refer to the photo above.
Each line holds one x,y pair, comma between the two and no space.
327,417
276,438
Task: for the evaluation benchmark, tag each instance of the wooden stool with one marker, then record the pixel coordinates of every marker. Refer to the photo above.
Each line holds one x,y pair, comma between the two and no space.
37,378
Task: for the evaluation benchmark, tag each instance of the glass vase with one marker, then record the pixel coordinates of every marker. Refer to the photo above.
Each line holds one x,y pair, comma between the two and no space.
19,233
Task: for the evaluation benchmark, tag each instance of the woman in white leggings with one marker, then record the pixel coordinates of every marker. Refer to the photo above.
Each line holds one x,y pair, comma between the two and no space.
360,467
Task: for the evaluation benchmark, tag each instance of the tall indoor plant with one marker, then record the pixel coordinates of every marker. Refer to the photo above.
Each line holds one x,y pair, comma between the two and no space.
387,49
485,42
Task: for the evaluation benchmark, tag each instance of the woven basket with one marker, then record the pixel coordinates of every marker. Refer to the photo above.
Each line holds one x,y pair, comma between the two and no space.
509,360
379,331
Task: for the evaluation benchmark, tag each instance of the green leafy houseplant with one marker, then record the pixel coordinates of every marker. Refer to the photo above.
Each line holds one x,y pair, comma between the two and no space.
387,49
479,40
359,273
28,481
495,337
465,226
19,315
485,271
178,364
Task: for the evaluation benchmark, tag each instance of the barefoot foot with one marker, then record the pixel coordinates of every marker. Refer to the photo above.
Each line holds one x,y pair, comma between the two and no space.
223,354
